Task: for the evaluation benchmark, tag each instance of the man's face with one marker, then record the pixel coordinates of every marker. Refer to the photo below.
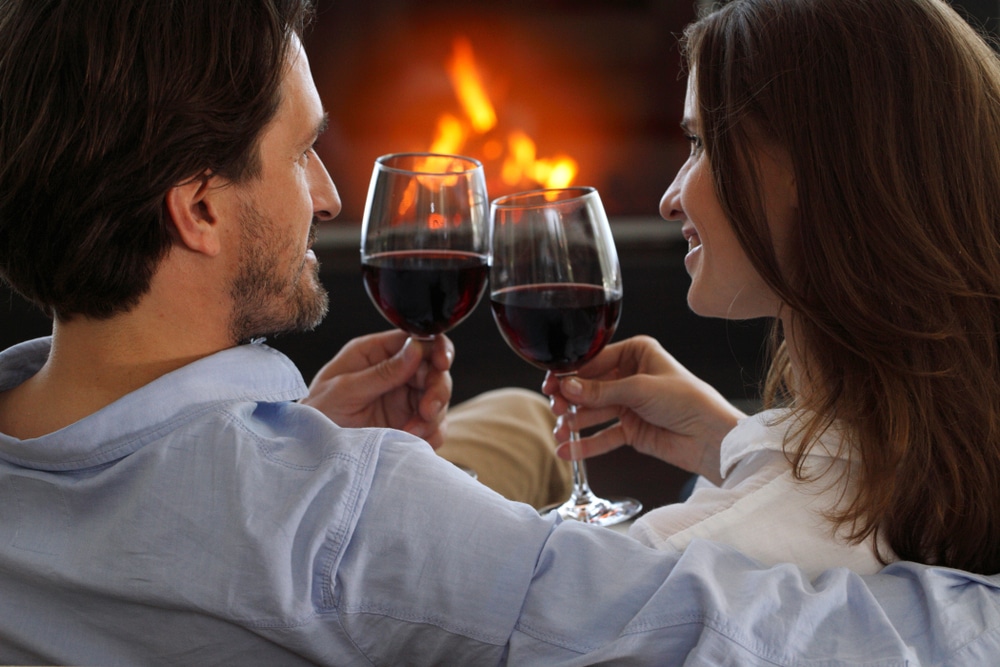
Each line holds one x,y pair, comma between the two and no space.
271,295
276,287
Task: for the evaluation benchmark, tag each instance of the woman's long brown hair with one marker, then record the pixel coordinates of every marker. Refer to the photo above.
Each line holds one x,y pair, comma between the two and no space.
890,113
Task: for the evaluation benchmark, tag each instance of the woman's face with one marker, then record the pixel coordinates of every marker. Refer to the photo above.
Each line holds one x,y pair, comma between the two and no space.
723,281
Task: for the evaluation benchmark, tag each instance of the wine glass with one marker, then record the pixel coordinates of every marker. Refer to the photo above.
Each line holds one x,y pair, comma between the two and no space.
425,240
556,294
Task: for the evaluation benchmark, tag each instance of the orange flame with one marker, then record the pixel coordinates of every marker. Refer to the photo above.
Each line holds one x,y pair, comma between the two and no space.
469,88
451,135
520,161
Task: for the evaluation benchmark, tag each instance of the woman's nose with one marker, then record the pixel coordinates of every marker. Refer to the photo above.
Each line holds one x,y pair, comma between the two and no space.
670,203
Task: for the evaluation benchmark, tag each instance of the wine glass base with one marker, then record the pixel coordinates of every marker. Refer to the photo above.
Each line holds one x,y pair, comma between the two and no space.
598,511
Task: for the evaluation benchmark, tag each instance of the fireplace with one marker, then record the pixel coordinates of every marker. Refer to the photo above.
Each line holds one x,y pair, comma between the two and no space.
594,81
582,92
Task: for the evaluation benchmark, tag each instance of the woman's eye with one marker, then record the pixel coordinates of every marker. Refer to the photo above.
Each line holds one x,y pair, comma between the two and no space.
695,142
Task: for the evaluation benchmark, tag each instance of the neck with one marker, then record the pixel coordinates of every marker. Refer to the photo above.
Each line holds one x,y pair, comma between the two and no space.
117,356
95,362
801,382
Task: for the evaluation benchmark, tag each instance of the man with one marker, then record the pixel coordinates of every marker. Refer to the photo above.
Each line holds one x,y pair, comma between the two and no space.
163,497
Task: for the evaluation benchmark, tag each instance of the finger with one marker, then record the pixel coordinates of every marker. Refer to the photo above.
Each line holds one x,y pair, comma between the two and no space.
363,352
420,377
601,442
558,404
584,419
431,430
443,353
435,397
550,385
436,435
609,361
629,392
389,374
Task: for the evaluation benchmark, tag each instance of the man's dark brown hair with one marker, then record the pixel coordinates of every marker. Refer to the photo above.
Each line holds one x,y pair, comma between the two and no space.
107,104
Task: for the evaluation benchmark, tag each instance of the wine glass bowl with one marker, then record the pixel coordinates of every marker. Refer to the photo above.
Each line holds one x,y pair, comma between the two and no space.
425,240
556,294
556,327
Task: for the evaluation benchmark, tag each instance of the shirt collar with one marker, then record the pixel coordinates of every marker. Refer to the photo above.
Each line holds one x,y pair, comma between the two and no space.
767,430
253,372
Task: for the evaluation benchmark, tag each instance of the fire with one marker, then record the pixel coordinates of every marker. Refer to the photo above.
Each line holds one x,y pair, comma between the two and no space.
469,89
520,163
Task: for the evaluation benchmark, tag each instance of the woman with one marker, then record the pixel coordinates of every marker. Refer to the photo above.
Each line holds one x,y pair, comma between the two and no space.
844,179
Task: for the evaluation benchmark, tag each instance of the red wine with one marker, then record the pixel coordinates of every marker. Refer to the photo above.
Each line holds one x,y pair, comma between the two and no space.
425,292
557,327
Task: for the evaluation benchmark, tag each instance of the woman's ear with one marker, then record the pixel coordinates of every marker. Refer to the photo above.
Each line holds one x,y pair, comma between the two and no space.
192,212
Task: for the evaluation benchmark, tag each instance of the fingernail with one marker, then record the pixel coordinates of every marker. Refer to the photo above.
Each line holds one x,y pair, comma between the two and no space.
573,387
562,451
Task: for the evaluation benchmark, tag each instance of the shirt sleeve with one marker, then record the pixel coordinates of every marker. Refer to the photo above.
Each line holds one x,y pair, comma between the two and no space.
714,606
465,577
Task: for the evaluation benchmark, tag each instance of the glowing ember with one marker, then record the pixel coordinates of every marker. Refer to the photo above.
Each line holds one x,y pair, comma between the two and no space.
518,153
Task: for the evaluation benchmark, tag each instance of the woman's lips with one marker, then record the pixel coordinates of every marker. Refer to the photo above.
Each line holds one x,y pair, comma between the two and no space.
691,236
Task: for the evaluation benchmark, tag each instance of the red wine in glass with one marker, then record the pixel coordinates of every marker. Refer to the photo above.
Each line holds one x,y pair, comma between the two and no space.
557,327
425,292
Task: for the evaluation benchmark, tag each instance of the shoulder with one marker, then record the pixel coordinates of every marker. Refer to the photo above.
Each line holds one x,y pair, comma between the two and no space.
766,513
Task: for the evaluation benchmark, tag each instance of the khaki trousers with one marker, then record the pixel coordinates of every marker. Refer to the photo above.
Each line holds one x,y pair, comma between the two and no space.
505,436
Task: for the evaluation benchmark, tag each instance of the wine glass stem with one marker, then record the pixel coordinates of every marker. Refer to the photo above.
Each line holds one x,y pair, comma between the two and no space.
581,487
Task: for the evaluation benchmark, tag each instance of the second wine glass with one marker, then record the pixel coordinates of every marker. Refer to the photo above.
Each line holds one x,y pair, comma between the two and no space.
556,293
425,240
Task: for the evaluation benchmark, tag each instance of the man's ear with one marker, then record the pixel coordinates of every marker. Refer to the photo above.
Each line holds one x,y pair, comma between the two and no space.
193,213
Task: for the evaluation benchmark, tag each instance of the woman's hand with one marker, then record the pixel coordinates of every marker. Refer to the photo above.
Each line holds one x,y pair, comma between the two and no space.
655,405
388,379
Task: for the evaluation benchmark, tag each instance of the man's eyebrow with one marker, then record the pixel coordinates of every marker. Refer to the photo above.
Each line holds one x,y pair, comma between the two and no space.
322,125
320,128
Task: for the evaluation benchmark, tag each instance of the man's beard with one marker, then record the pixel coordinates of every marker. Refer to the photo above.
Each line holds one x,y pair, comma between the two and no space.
266,299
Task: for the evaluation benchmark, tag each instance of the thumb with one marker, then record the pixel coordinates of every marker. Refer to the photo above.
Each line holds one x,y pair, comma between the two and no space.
392,372
581,392
596,394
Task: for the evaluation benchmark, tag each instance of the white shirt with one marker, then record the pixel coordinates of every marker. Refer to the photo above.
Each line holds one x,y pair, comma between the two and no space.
761,509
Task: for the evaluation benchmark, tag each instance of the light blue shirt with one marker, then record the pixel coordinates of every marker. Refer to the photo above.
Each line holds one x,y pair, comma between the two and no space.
208,519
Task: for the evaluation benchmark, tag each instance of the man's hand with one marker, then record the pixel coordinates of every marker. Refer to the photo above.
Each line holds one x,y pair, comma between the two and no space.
388,379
